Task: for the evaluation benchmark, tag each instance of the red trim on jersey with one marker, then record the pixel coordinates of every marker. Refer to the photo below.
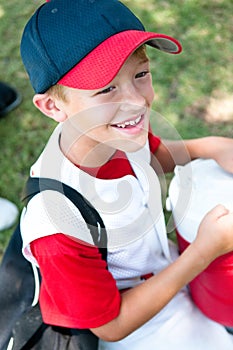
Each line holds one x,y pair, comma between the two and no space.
77,291
154,141
119,166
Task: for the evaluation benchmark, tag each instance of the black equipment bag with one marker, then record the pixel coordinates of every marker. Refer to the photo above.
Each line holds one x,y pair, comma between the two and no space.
21,324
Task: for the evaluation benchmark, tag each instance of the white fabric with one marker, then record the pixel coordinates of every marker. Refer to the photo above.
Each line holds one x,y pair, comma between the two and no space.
8,214
132,212
195,189
179,326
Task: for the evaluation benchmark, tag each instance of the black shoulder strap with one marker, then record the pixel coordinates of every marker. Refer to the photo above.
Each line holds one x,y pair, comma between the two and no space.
18,317
34,185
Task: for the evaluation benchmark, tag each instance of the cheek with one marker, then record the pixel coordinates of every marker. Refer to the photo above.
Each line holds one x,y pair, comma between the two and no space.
150,93
147,92
95,118
151,96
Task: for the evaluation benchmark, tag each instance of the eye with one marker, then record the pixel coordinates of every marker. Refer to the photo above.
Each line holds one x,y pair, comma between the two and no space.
106,91
142,74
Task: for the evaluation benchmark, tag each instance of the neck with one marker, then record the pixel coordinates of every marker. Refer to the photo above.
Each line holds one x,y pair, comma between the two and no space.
83,151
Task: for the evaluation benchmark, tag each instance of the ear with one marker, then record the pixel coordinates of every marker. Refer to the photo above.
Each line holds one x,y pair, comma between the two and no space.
48,106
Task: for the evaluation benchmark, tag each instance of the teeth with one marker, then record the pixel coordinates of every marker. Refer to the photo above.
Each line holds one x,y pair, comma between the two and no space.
131,122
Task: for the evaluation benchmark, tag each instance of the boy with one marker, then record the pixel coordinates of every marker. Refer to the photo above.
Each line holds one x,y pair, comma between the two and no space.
87,63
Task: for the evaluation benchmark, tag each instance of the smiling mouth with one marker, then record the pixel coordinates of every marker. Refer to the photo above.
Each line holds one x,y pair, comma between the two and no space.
129,123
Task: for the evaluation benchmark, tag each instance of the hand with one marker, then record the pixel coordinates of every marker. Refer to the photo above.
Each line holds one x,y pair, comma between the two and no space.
215,234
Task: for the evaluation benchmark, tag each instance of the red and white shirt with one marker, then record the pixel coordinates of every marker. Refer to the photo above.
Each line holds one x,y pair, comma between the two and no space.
77,289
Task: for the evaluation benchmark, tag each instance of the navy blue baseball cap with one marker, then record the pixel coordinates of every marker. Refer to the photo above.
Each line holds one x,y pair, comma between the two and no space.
83,43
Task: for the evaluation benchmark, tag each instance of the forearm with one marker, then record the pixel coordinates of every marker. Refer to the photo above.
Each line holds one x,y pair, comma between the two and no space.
172,153
169,154
143,302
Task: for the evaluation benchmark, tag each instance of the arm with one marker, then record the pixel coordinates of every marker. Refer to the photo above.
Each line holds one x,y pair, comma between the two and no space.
172,153
141,303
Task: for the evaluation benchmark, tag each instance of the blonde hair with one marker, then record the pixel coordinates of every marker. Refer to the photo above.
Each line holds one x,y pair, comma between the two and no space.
141,52
59,91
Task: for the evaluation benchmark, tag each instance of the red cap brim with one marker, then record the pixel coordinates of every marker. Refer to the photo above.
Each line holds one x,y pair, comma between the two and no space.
102,64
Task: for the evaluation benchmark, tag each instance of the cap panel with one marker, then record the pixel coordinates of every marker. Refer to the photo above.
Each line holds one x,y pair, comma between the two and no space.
37,62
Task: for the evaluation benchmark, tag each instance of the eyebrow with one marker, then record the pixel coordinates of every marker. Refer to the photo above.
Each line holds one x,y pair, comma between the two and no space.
143,60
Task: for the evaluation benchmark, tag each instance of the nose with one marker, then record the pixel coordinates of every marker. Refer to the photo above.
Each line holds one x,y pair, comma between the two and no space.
132,98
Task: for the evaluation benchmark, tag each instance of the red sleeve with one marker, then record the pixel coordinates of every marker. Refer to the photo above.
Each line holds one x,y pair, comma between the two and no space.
77,291
154,141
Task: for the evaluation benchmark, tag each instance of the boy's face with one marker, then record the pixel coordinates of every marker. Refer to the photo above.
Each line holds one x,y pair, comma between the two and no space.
117,115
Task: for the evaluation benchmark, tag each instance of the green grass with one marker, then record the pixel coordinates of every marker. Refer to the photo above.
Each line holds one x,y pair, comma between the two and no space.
185,84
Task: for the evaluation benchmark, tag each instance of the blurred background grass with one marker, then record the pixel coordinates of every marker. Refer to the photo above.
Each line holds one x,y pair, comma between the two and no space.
193,90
